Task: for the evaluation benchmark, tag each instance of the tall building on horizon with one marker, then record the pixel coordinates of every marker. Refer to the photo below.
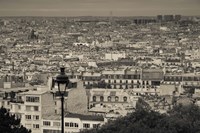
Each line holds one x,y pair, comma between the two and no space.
177,17
159,18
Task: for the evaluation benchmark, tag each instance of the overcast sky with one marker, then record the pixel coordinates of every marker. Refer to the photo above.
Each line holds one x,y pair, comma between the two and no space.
98,7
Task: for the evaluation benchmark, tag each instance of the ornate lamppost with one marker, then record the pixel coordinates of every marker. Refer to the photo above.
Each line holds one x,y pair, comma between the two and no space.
62,82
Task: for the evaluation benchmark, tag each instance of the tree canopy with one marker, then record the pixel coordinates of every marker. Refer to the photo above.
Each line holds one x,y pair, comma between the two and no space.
180,119
10,124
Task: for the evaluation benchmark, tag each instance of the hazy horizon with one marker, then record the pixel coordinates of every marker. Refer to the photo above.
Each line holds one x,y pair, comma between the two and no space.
98,7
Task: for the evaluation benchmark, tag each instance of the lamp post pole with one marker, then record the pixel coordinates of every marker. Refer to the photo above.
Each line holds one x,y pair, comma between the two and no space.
62,81
62,112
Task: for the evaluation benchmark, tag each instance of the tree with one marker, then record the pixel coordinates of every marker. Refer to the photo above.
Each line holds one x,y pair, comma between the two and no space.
10,124
181,119
188,117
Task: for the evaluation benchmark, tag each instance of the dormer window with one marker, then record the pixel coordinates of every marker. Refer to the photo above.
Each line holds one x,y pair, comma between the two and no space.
94,98
101,98
125,99
109,98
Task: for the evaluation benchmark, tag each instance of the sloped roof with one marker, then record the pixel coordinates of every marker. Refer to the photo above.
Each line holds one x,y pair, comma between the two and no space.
85,117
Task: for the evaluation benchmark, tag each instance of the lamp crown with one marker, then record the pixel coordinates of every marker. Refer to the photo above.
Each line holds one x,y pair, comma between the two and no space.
62,70
62,78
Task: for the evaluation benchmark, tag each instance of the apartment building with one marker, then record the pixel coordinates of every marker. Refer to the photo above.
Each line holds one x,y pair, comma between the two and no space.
151,78
183,82
73,123
172,61
91,78
114,77
31,106
108,96
125,79
109,102
185,79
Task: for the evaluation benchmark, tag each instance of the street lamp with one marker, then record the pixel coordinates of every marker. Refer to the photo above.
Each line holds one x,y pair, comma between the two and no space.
62,82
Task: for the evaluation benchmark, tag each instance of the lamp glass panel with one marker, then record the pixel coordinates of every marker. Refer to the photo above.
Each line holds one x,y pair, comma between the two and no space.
62,87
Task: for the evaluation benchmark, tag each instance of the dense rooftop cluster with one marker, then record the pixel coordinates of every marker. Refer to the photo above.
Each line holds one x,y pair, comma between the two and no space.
118,63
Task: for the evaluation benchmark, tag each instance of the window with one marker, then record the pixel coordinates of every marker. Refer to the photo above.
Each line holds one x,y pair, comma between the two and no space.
125,99
101,98
121,87
67,124
76,124
36,108
116,98
95,125
28,117
46,123
94,98
19,98
115,87
86,125
35,117
32,99
36,126
109,98
71,124
19,107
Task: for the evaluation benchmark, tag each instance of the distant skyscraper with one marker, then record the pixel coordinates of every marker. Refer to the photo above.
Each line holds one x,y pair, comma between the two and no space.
168,18
159,18
144,20
177,17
